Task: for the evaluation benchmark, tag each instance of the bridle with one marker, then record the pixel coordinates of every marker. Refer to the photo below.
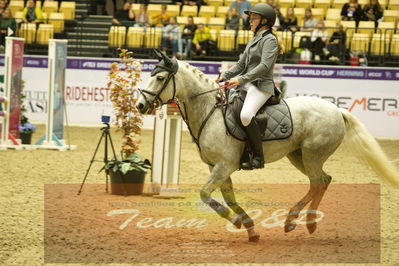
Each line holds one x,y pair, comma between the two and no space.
159,102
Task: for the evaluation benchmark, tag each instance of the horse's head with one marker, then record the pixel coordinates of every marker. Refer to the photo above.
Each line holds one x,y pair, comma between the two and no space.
161,87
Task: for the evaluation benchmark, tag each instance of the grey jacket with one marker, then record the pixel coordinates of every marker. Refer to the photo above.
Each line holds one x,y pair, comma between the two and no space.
256,64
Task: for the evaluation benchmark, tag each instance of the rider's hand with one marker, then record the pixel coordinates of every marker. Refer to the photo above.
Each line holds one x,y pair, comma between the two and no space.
219,79
233,82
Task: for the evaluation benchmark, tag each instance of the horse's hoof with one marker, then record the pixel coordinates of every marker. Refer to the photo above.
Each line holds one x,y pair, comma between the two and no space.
311,227
254,238
289,227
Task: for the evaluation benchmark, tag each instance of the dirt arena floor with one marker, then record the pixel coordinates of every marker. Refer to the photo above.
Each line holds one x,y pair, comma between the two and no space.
42,220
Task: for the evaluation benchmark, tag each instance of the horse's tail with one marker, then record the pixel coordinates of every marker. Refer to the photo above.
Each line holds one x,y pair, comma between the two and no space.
367,148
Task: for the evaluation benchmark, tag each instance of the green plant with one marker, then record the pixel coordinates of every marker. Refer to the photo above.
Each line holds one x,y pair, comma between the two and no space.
123,79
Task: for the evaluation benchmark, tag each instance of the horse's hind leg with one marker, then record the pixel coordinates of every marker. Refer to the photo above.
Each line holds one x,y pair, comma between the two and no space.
313,161
229,197
296,159
312,215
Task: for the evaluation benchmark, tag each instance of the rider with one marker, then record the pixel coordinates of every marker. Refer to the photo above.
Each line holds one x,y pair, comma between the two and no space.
254,73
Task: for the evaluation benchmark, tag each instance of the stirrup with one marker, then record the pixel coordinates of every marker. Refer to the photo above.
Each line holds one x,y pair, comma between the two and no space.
258,163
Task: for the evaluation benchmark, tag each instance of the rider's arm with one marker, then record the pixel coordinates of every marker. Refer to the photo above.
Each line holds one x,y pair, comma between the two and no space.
269,53
236,69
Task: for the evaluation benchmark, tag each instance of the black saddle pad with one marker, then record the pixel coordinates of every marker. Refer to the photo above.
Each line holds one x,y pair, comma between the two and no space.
274,120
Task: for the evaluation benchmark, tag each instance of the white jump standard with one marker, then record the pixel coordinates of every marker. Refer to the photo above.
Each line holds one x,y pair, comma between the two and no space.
166,147
12,88
57,59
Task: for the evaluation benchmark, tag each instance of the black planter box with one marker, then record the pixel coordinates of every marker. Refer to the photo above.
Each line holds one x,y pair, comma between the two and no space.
131,183
26,137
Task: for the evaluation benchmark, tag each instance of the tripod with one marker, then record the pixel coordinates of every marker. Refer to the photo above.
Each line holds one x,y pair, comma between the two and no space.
106,135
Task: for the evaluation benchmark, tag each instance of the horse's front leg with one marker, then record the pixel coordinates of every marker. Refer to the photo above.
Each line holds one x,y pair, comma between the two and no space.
229,197
219,174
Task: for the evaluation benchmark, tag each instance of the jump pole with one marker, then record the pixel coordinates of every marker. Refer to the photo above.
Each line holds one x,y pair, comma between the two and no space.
166,150
13,63
54,134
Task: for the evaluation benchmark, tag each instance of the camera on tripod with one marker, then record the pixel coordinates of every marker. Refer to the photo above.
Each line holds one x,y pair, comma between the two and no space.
106,136
105,119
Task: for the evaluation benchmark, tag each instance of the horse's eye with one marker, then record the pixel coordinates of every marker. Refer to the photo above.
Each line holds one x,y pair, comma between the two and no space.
160,78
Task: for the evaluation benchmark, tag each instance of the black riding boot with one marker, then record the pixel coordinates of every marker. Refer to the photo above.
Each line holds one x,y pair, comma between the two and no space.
254,139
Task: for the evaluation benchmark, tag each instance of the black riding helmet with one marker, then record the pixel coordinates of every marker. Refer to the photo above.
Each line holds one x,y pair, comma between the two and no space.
265,11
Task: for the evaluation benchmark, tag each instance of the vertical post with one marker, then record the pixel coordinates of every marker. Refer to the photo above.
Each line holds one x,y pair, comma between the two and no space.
3,102
14,58
158,146
50,97
175,128
57,68
167,148
57,59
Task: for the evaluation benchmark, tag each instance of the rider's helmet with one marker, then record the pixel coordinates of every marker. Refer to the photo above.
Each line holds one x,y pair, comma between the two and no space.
265,11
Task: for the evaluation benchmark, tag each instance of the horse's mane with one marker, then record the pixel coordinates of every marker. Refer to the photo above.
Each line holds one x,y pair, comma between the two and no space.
198,73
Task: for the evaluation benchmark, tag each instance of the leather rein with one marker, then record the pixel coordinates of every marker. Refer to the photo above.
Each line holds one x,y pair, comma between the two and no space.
160,102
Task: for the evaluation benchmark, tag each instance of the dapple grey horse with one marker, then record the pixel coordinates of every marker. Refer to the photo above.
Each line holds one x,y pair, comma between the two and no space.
319,127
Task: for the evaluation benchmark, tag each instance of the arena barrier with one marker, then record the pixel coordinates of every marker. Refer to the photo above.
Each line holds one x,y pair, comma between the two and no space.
56,107
13,63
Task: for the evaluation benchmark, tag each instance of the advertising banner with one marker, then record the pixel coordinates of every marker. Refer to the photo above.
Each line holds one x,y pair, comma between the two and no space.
372,94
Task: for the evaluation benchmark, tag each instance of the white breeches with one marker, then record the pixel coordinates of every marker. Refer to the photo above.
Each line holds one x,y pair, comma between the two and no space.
253,102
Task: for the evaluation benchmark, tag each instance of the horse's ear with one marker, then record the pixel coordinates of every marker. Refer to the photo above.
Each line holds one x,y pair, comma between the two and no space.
168,62
158,54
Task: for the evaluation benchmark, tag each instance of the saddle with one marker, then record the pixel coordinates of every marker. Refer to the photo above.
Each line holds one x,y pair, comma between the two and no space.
274,118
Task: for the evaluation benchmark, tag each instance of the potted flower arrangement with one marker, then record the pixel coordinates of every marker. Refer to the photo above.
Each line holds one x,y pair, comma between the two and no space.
26,129
128,173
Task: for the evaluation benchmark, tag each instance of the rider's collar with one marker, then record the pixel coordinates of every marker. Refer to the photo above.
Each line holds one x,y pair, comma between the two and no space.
266,32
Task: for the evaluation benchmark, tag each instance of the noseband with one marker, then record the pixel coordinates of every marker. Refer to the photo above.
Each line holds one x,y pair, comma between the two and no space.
158,101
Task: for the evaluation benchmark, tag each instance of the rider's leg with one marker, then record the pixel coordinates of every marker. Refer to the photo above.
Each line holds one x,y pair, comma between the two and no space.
253,102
